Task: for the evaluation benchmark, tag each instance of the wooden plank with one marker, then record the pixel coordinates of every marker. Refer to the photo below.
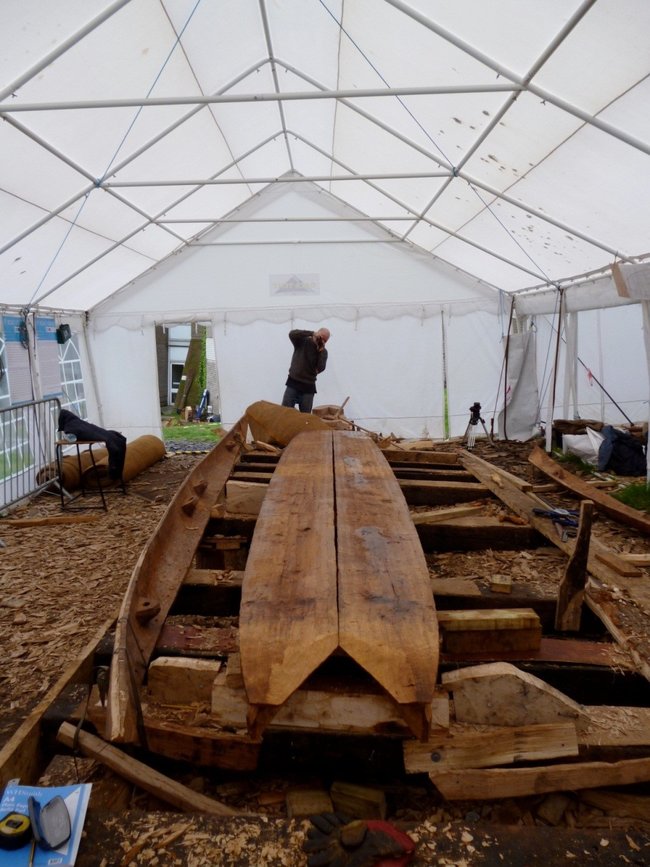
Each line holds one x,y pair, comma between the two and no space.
182,680
288,617
520,782
572,584
20,523
244,498
620,727
142,775
421,493
489,629
604,503
620,565
476,532
301,803
638,559
194,640
481,619
522,504
362,802
157,577
500,694
570,651
617,803
22,756
463,747
500,476
432,474
387,619
320,710
180,739
399,456
432,516
213,577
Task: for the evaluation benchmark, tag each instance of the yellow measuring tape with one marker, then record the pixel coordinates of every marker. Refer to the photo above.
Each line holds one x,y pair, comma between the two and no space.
15,831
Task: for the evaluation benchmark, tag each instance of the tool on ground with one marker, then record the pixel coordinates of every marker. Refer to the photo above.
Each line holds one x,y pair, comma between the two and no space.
470,431
336,840
15,831
565,521
50,823
563,517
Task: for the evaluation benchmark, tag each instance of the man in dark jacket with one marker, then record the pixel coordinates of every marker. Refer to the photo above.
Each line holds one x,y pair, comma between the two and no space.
308,360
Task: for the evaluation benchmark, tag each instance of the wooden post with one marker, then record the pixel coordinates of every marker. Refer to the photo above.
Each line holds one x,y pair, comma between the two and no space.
572,585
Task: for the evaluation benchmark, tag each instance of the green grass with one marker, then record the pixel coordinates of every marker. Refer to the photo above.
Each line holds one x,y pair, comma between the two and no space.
573,462
636,495
193,431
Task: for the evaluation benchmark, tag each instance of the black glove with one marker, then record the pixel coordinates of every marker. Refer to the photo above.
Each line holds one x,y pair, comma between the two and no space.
337,841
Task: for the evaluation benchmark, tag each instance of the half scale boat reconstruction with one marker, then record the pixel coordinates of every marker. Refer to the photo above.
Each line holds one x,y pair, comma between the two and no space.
335,571
284,607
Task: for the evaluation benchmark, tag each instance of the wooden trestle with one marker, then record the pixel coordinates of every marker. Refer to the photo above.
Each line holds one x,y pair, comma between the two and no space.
336,565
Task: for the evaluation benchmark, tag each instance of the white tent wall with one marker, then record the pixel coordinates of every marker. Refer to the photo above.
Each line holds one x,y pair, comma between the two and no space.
474,361
244,270
390,370
125,368
610,347
381,300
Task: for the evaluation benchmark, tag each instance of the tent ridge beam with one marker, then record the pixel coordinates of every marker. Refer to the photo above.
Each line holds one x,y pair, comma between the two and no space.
276,81
226,98
281,179
220,220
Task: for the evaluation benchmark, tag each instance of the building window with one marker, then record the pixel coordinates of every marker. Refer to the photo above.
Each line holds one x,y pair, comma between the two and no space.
5,399
72,385
175,373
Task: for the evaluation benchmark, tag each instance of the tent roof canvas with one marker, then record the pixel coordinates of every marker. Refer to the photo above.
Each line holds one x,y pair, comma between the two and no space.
508,139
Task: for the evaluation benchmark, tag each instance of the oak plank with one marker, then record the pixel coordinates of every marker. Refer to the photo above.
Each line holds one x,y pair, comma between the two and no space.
464,747
288,616
423,493
320,710
157,577
499,693
22,757
466,784
404,456
387,618
142,775
432,516
604,502
568,613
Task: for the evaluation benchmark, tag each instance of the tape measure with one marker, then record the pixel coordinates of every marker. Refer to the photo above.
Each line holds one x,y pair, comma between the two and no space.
15,831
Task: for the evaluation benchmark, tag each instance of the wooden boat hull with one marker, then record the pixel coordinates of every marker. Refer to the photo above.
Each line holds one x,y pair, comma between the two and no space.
156,579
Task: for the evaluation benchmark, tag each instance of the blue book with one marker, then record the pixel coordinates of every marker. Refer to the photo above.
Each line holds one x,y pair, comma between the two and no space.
14,800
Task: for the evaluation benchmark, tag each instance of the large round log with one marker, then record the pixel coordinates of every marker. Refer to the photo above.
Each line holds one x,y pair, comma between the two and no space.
143,452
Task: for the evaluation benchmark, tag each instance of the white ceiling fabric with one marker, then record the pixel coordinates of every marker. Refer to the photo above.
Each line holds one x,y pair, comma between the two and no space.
530,171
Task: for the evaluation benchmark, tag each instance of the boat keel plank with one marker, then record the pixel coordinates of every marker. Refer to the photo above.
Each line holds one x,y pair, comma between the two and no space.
387,620
288,615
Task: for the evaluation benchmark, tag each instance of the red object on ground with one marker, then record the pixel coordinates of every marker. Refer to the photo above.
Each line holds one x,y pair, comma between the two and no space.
396,834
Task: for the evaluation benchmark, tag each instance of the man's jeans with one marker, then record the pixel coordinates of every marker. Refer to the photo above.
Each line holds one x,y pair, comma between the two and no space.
303,399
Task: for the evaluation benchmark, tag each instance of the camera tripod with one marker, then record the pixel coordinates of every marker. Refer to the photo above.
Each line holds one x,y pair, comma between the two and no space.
470,431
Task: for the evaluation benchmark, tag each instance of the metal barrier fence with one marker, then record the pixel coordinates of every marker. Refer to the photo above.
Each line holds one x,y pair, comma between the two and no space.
27,449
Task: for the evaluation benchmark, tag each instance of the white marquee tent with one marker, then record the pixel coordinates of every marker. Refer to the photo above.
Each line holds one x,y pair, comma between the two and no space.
423,177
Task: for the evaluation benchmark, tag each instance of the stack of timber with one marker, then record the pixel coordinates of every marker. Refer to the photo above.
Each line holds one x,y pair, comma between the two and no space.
306,607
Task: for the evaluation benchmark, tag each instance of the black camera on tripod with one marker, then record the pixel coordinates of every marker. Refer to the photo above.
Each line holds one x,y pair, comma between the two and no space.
475,414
